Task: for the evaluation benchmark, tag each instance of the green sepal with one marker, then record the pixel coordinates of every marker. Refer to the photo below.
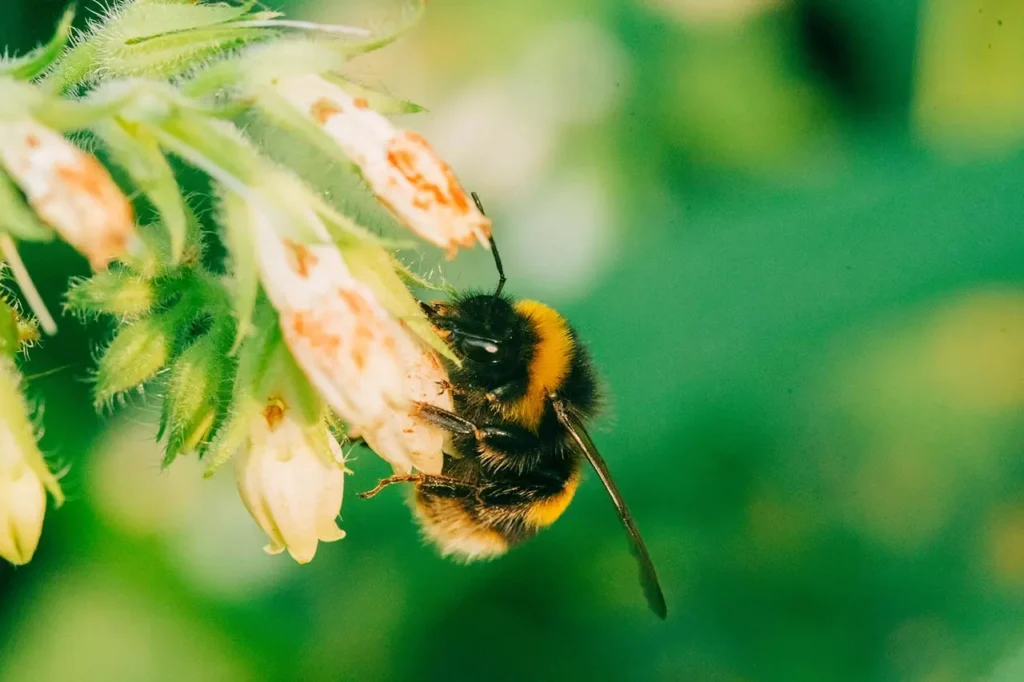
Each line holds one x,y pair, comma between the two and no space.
38,60
10,338
244,270
20,431
16,217
120,293
381,102
375,268
136,150
254,357
232,434
142,348
351,50
414,280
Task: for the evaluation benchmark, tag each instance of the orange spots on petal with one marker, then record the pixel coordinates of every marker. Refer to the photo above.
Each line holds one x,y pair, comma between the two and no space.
323,109
88,177
305,325
301,259
361,103
32,141
412,156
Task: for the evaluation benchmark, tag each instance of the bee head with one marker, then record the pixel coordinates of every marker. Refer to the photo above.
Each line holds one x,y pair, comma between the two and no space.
487,333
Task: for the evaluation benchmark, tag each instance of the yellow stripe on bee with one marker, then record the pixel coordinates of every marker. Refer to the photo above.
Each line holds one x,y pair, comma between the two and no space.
552,359
546,512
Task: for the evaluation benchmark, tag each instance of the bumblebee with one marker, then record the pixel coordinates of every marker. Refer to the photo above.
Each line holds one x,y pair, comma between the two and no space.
521,396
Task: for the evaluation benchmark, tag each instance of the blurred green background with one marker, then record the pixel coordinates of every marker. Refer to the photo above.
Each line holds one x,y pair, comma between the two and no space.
792,233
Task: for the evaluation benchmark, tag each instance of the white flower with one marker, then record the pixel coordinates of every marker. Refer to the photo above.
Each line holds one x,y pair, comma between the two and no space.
404,440
24,477
69,189
291,478
346,343
22,505
403,170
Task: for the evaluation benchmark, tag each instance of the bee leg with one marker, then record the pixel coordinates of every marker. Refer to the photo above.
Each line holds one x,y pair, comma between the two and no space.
423,480
500,445
449,421
390,480
508,392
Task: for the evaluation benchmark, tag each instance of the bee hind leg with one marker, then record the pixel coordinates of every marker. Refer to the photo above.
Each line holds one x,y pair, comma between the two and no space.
432,483
391,480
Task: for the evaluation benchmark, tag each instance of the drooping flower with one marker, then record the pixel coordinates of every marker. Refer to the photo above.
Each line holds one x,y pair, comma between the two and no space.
403,439
291,477
400,166
339,334
69,189
24,476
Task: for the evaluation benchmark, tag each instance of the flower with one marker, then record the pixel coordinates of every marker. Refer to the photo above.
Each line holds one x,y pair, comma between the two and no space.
69,189
400,166
339,334
404,440
291,477
24,476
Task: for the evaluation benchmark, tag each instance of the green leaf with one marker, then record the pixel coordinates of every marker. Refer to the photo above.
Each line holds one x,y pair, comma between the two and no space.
38,60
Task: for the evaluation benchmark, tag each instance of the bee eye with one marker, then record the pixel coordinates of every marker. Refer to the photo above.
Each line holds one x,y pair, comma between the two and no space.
477,349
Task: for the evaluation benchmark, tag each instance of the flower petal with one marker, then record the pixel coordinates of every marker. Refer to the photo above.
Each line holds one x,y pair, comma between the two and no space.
69,189
293,492
400,166
404,440
339,334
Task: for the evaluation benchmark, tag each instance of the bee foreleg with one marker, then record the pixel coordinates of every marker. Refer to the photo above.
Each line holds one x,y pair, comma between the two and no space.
449,421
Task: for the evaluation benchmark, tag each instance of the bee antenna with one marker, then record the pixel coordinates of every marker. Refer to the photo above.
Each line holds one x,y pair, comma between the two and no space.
494,249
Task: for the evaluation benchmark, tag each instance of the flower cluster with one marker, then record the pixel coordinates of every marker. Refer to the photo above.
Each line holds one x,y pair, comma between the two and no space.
307,336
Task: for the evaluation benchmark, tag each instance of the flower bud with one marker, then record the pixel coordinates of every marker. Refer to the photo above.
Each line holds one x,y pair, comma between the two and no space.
193,399
120,293
24,476
403,170
137,353
69,189
291,478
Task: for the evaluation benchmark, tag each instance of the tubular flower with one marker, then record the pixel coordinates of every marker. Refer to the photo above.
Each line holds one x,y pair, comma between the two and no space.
24,477
404,440
400,166
345,342
291,478
69,189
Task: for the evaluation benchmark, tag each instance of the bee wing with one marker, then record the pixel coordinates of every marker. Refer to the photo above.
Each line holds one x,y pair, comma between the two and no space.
648,576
